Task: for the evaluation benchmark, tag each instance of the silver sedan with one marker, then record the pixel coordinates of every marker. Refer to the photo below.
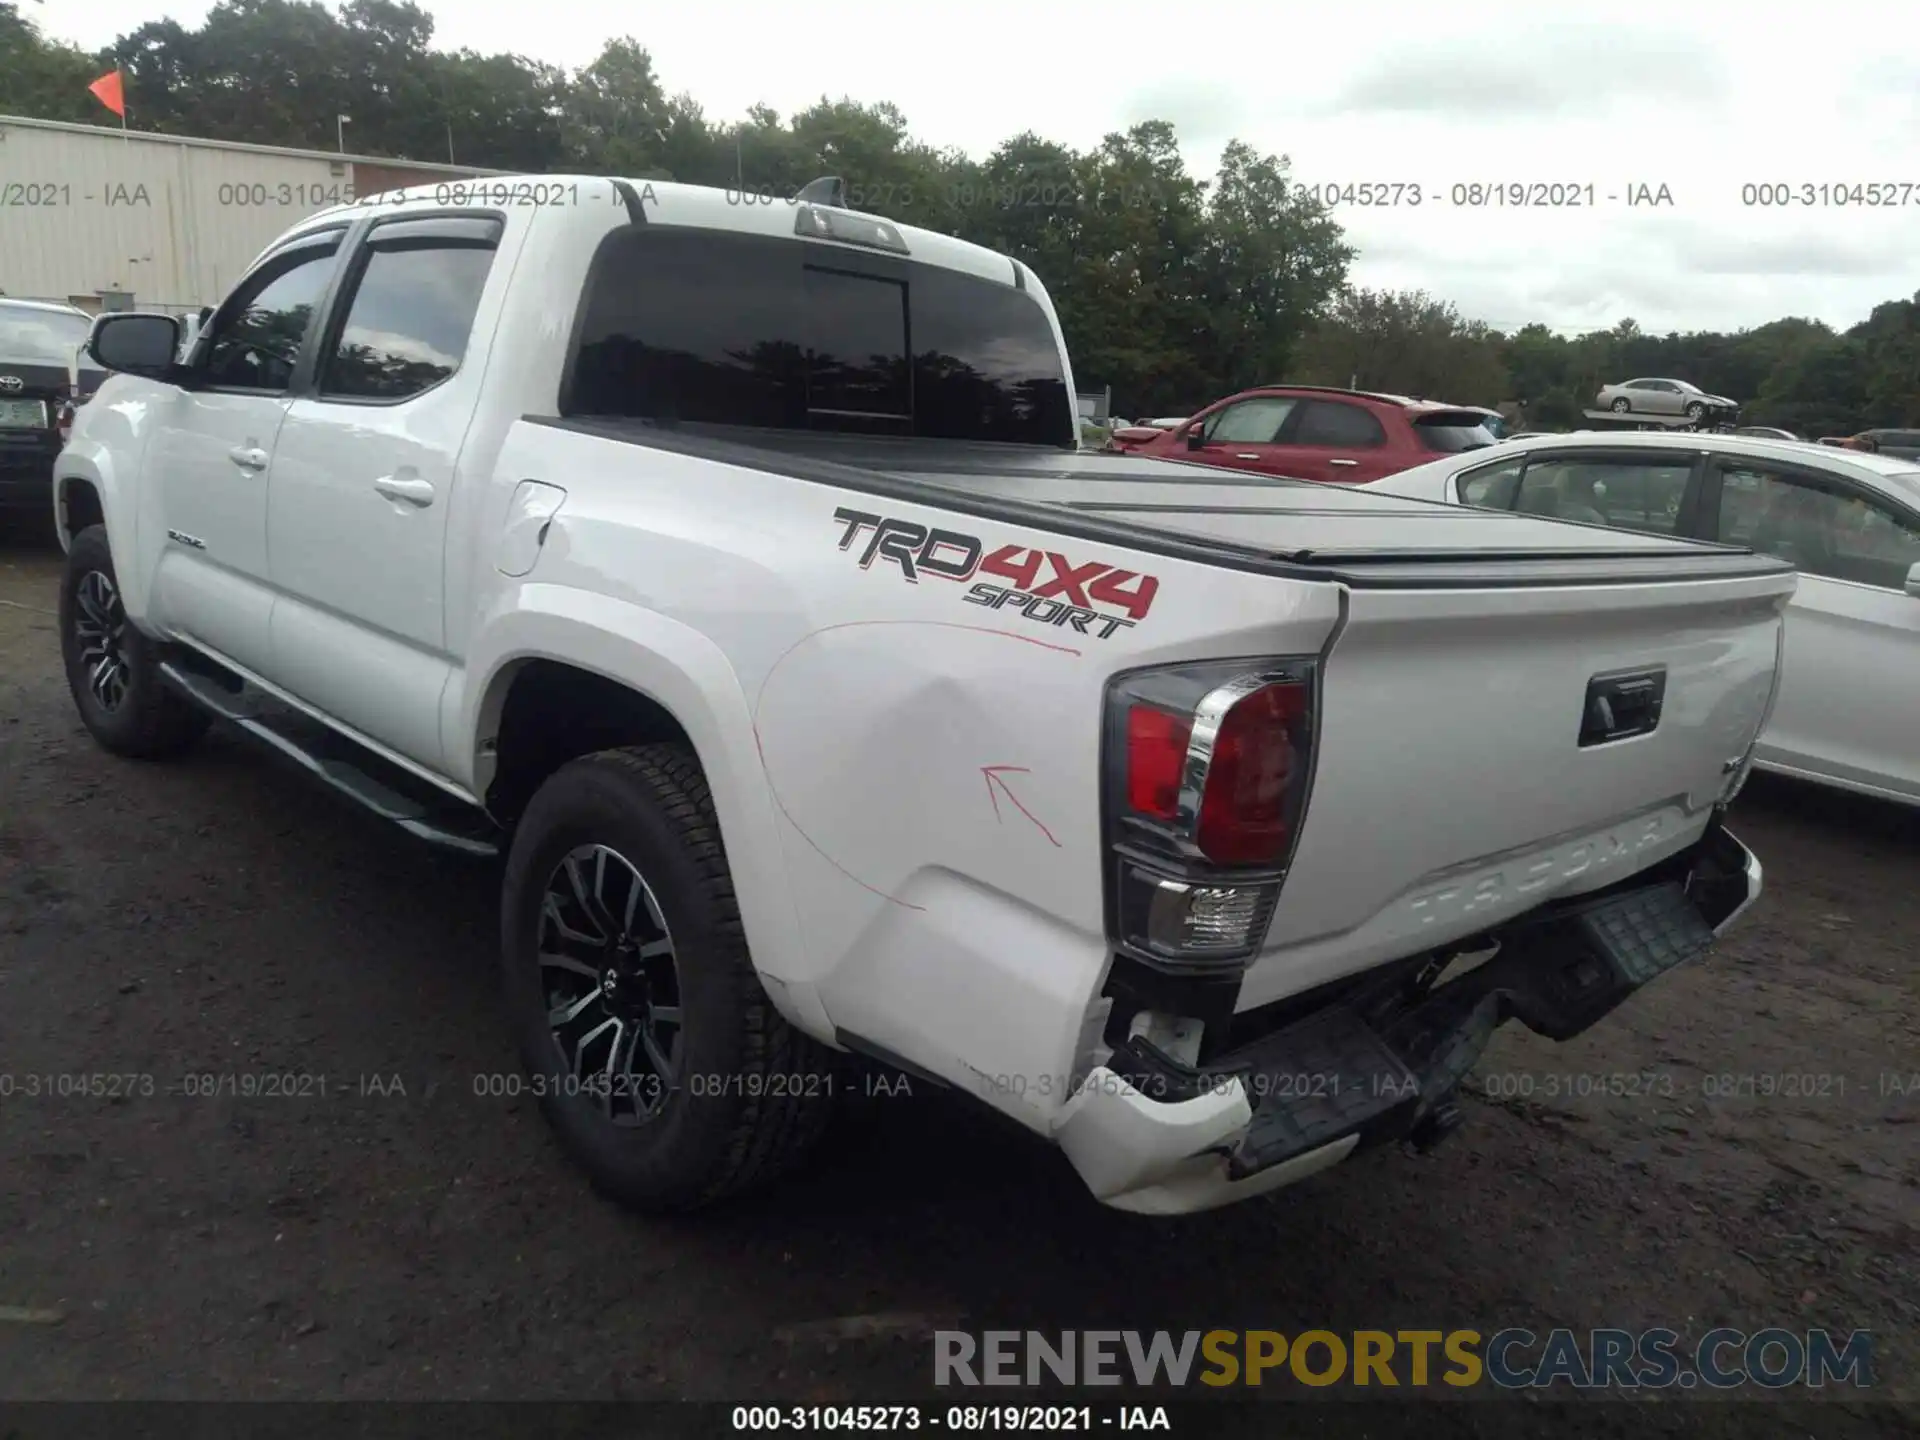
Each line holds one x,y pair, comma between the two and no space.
1662,397
1850,520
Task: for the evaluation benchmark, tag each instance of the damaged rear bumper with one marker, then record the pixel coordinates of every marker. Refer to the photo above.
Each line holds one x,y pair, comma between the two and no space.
1149,1134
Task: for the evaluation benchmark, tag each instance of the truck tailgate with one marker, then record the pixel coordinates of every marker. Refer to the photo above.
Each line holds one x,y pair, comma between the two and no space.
1453,789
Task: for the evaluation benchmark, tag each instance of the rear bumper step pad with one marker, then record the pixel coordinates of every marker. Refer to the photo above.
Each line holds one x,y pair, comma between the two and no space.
1341,1072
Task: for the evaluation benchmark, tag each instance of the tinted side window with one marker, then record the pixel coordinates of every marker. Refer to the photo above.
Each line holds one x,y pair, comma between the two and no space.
1492,487
1345,427
256,342
696,326
408,322
1251,422
1835,533
1626,494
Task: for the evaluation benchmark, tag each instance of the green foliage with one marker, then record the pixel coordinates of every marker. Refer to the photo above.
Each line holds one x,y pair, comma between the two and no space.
1172,289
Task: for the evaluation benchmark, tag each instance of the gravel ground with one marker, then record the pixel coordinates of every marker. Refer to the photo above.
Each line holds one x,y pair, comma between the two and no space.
405,1237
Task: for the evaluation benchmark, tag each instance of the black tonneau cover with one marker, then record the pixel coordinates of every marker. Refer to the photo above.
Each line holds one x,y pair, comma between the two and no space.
1202,513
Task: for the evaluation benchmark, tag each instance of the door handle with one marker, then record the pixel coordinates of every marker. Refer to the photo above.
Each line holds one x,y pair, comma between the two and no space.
414,492
1342,462
248,457
1244,456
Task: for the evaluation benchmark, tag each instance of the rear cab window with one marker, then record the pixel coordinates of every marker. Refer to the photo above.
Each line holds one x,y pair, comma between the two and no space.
695,326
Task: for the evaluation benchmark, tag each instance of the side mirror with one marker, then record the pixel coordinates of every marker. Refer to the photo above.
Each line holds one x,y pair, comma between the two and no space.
1913,581
1196,437
136,344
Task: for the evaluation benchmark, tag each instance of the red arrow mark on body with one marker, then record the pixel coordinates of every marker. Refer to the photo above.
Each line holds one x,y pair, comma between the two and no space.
993,774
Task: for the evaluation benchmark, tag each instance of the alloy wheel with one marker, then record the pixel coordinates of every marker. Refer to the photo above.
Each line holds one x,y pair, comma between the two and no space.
610,977
100,627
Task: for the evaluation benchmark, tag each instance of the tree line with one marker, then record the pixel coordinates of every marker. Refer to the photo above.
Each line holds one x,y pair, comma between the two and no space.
1172,288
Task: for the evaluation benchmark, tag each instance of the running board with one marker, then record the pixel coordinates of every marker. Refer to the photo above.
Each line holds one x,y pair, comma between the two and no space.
346,767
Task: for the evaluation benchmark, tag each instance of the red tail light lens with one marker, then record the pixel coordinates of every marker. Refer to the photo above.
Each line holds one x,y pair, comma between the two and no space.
1258,752
1241,737
1156,761
1194,881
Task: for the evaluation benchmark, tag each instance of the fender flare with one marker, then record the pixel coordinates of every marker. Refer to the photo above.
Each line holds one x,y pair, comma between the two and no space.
688,675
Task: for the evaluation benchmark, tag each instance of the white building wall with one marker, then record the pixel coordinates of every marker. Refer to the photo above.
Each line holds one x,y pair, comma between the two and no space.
84,211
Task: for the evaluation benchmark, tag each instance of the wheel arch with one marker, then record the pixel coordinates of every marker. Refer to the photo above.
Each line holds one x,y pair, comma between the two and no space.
608,674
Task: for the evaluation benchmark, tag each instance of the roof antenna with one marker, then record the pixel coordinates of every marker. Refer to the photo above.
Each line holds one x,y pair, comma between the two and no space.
827,190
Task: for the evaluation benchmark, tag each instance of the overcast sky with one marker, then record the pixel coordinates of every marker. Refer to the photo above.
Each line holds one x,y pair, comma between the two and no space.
1702,98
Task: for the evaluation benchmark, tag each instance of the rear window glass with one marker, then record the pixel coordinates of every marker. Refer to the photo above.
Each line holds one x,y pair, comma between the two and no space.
1452,431
41,337
702,327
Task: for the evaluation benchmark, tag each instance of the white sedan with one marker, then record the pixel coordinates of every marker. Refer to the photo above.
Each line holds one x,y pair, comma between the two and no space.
1848,708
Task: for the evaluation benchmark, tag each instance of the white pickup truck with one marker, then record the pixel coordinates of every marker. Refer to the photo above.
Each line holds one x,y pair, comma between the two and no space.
733,572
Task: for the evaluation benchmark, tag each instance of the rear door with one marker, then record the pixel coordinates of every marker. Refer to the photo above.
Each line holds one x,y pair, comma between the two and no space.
1336,440
1850,686
1243,435
364,475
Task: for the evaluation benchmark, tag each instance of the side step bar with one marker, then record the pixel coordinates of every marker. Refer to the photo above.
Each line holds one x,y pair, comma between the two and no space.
330,757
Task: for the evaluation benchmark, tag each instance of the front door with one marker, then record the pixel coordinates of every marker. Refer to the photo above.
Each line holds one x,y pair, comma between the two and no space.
1850,677
1240,436
364,480
211,459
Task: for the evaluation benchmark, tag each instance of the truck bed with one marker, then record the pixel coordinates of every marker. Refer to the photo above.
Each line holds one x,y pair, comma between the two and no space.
1246,522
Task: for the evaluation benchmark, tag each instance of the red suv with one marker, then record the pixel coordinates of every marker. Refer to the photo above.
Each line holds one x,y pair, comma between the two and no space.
1313,432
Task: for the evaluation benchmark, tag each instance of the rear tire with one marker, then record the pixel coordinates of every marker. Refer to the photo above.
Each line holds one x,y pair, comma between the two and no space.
112,668
1621,405
649,1041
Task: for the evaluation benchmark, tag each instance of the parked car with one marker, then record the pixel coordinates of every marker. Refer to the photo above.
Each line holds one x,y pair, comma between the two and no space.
41,376
1311,432
836,702
1902,444
1764,432
1849,520
1663,397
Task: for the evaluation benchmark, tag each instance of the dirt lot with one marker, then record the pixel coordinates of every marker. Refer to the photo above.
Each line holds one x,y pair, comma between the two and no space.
403,1237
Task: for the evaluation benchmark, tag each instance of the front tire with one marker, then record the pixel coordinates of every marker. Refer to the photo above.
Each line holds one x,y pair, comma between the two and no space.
112,668
1695,411
655,1053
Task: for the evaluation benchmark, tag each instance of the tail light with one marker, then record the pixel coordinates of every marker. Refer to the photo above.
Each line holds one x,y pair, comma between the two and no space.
1208,768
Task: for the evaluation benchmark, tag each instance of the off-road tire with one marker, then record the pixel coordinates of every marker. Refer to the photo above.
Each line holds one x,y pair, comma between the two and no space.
752,1093
151,721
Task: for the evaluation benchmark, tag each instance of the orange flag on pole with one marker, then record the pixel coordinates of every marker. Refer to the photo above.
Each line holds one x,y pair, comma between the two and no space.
109,92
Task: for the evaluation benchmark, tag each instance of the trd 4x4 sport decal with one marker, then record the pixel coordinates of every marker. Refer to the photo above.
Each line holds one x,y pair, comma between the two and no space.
1042,585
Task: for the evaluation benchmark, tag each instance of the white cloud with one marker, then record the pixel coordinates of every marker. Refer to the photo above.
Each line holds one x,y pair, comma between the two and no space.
1703,98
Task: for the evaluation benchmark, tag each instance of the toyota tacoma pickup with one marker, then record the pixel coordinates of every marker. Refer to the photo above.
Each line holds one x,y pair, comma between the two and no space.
733,574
